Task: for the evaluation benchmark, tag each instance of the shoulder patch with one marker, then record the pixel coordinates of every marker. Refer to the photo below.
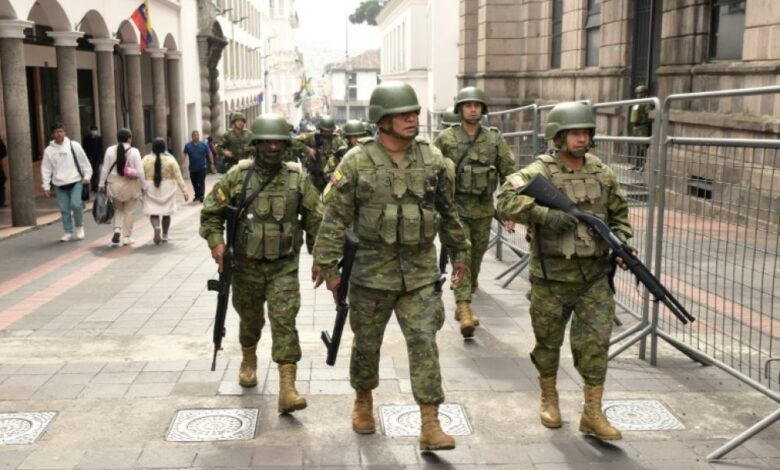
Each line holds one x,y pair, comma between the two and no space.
338,179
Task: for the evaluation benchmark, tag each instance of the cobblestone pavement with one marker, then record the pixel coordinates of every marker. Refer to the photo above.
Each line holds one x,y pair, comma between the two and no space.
117,341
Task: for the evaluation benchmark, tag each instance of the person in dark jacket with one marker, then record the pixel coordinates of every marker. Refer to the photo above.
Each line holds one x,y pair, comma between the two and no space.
93,146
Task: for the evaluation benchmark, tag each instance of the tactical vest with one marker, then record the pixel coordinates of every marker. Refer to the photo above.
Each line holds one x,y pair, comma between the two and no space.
477,174
396,205
270,228
588,191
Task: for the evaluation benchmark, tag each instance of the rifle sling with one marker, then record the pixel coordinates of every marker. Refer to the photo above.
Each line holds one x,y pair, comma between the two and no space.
244,202
462,158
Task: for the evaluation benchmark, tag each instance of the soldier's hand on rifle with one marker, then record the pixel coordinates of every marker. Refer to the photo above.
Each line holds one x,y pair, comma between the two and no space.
458,273
218,253
619,260
559,221
227,153
316,276
311,153
509,226
333,287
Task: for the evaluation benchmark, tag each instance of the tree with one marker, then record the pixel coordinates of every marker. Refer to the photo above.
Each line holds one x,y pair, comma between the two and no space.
366,12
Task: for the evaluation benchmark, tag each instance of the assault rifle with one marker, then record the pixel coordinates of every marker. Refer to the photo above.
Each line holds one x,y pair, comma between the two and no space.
316,173
342,305
222,285
546,194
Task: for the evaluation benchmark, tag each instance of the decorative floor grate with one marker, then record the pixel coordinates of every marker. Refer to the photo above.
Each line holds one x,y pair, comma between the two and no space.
213,425
640,415
23,428
404,420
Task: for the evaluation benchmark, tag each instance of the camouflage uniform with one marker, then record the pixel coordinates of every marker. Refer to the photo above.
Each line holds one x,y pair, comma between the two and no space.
574,276
325,146
396,212
267,250
488,162
239,144
334,160
642,126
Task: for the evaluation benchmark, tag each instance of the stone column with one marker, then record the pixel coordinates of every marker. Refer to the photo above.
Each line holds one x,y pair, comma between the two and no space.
135,97
104,50
159,93
176,100
205,94
67,80
17,119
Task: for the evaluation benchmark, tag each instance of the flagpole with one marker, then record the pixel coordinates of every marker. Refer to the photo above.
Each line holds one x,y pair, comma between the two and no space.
347,67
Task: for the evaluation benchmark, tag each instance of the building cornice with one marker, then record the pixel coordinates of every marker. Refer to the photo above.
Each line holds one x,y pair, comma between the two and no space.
65,38
104,44
14,29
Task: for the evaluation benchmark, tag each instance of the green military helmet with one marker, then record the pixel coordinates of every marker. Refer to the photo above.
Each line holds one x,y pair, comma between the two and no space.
449,117
569,115
391,98
641,89
270,127
354,127
327,124
471,93
236,116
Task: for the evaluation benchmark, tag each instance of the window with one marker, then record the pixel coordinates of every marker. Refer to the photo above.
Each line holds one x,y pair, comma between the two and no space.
700,187
557,29
727,28
592,33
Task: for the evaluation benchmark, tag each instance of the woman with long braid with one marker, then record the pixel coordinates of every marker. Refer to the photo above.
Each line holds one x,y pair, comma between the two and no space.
122,175
163,178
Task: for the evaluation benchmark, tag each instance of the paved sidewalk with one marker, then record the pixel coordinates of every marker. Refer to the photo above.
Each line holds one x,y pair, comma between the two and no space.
116,341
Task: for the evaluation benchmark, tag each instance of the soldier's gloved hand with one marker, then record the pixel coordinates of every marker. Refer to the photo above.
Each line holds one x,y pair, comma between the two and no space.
559,221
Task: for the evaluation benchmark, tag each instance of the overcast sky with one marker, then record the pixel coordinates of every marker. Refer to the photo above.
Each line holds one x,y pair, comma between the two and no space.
321,33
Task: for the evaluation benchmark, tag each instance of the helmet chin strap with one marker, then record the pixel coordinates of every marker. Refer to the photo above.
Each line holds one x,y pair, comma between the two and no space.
393,133
564,147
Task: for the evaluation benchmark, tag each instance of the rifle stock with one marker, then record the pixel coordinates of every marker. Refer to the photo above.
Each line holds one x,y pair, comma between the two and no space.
222,285
332,343
546,194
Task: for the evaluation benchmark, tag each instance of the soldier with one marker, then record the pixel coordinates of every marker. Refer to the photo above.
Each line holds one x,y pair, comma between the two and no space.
268,240
235,144
317,148
570,269
482,159
449,118
642,126
352,130
395,192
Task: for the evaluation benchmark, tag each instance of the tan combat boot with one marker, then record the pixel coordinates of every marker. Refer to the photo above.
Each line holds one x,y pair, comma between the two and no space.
549,411
593,420
247,373
431,435
363,413
464,316
289,400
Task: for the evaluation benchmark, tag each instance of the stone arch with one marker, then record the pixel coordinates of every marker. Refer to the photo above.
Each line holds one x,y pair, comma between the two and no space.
93,24
127,33
155,40
50,13
7,11
170,42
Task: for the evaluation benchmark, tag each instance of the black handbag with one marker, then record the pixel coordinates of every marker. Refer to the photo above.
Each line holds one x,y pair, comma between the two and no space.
102,209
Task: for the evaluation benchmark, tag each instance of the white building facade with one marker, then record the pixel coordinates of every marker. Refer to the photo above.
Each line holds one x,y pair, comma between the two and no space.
420,47
285,67
351,83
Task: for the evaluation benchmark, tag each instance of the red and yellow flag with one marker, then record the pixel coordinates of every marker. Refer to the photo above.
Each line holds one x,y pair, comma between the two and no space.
143,22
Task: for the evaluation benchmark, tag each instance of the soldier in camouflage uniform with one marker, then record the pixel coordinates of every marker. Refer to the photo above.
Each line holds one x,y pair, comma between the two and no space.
449,118
642,126
268,240
395,192
353,130
570,268
482,160
235,144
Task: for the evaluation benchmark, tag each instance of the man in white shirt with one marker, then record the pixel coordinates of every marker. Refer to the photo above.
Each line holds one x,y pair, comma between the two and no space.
66,167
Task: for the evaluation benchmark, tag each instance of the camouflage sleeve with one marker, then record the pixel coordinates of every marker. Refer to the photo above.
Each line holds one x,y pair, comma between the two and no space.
212,216
311,211
440,142
505,161
512,206
338,212
617,208
451,230
223,144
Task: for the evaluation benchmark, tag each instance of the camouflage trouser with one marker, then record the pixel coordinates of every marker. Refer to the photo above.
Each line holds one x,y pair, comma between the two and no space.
478,232
593,305
420,314
252,287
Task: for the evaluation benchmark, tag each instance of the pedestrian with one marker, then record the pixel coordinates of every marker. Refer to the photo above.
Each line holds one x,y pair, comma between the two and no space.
394,191
279,205
122,176
642,126
570,268
163,178
66,167
482,160
201,161
353,130
3,154
235,144
93,146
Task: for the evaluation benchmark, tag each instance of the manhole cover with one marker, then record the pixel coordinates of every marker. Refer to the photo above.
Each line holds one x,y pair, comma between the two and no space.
640,415
404,420
213,425
23,428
